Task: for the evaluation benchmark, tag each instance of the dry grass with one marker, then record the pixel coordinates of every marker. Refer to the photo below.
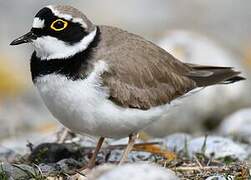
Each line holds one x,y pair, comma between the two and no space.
201,167
198,168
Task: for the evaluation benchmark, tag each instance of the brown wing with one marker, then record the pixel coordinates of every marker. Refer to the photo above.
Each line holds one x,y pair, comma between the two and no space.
142,75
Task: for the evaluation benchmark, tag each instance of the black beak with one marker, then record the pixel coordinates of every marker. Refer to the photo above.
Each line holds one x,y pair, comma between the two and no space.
27,38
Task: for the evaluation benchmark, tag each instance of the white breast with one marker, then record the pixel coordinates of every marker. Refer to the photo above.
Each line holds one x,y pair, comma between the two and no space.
83,106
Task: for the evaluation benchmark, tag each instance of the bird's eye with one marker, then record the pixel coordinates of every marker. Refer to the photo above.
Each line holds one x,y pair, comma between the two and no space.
59,25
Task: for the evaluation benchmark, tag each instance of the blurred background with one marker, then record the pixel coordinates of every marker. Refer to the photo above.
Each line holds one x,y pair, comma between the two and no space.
207,32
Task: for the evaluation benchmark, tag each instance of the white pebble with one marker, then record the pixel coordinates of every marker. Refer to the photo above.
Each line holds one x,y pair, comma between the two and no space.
138,171
239,123
217,147
220,177
177,142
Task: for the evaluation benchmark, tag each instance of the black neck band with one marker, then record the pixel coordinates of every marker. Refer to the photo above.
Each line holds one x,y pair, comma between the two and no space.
70,67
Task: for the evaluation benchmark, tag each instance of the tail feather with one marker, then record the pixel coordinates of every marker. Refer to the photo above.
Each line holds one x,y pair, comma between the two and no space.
210,75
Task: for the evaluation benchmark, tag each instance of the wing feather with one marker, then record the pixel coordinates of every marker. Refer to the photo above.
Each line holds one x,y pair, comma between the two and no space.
142,75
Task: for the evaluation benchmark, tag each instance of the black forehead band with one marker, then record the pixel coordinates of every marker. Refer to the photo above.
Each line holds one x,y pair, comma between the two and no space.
44,13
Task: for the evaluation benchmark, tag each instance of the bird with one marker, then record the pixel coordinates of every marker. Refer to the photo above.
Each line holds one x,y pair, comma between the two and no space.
104,81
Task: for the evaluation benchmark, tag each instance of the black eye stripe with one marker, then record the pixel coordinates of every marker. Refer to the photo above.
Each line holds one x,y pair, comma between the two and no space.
72,34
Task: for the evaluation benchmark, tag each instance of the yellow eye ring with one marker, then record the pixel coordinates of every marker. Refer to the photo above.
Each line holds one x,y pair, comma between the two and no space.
54,25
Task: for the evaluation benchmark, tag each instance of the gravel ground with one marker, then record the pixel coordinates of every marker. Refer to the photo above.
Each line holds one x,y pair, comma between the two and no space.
202,161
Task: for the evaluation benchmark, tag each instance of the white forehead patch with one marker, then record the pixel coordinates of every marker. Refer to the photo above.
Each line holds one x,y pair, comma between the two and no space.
68,17
48,47
38,23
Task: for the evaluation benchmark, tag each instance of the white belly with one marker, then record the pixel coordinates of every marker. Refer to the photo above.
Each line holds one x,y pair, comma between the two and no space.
83,106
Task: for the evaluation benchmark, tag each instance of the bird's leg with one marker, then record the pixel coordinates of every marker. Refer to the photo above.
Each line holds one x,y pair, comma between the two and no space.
92,161
132,139
85,170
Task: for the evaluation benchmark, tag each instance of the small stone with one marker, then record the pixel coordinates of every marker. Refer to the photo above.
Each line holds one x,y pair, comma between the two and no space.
238,124
220,177
65,166
177,142
7,154
138,171
133,156
217,147
115,156
48,169
21,171
136,156
54,152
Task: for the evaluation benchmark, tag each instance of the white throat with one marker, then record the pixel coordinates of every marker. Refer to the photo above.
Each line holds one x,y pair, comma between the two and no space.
48,47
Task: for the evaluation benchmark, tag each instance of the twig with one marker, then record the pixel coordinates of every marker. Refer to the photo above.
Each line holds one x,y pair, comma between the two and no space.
198,162
30,146
121,146
204,145
82,174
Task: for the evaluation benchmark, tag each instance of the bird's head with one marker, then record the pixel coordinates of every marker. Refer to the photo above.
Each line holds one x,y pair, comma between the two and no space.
59,31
